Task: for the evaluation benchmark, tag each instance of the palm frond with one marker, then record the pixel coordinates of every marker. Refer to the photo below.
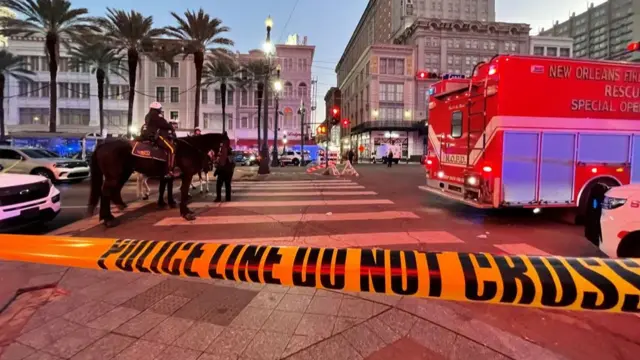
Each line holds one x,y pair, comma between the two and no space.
198,31
217,70
12,65
97,54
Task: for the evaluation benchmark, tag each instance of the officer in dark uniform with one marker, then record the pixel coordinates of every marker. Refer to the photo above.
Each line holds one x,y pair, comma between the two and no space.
224,173
156,123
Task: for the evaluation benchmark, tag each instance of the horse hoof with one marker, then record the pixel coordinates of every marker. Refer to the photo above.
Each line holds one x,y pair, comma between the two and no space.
189,216
111,223
201,191
173,205
121,207
146,197
162,205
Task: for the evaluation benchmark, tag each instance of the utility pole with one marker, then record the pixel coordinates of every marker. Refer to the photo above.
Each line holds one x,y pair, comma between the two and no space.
301,112
277,86
264,153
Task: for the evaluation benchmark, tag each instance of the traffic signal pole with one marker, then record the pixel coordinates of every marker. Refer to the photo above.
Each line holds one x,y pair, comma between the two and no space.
301,111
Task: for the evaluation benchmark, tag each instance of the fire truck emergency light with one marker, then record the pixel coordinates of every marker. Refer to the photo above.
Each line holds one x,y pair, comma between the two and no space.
634,46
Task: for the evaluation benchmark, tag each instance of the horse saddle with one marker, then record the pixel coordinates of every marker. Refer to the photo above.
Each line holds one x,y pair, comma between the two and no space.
148,150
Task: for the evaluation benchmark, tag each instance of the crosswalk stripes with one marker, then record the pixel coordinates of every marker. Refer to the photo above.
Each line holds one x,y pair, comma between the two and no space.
322,213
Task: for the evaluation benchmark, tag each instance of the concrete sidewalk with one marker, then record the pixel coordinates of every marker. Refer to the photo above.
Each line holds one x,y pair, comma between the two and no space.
93,314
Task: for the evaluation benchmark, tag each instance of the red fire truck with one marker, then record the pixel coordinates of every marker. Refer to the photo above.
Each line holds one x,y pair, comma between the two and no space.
534,132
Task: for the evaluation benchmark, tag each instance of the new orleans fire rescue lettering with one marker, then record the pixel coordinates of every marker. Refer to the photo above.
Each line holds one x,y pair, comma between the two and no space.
626,92
555,282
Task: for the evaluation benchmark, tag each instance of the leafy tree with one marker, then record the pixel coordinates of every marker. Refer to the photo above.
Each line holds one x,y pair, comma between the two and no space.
11,65
133,34
200,34
103,61
58,23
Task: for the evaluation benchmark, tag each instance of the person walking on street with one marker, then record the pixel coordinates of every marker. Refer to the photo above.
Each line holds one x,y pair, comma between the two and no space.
389,158
351,155
224,173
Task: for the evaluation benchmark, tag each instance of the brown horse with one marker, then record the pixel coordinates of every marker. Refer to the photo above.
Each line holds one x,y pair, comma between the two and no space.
113,162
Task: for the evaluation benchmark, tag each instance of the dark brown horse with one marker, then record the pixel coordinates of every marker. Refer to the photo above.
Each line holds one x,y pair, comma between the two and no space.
112,164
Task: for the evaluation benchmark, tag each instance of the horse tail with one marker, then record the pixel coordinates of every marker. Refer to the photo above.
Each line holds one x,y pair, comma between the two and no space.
96,183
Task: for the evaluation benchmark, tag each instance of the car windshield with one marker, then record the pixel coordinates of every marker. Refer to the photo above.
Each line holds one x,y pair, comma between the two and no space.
48,153
36,154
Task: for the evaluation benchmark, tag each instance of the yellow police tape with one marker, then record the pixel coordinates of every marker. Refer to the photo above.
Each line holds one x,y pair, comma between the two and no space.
548,282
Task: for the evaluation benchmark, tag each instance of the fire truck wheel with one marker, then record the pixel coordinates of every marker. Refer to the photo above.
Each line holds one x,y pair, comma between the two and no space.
593,194
630,246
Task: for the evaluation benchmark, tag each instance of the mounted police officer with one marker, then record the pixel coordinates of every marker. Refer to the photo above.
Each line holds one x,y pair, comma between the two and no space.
197,132
157,124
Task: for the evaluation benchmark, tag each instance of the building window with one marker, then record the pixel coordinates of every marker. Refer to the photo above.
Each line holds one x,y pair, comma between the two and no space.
391,113
34,63
173,115
175,95
217,95
208,120
205,96
85,91
33,116
161,70
391,92
391,66
230,97
44,89
255,98
456,124
244,122
23,89
302,90
288,90
78,117
538,50
565,52
175,70
160,94
244,97
115,118
552,51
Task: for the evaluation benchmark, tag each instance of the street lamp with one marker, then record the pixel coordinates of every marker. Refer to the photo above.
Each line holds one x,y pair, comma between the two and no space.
264,152
277,87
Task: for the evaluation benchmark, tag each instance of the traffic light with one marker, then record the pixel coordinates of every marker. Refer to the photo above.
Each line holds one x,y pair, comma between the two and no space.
335,115
634,46
345,122
425,75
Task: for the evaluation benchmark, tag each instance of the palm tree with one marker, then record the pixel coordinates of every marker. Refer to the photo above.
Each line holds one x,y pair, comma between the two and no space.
103,61
254,72
222,71
200,33
11,65
58,23
133,33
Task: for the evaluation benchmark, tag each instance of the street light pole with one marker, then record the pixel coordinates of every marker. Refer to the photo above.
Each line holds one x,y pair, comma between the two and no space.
301,112
277,86
264,158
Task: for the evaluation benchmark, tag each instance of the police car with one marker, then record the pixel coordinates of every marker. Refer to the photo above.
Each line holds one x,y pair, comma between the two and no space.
620,222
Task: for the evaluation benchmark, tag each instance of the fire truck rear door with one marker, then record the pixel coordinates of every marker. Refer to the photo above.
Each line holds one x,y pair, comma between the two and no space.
520,167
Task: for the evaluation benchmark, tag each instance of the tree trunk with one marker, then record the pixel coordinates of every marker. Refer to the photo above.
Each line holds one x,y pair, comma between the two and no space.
100,76
223,97
51,44
198,60
259,108
2,79
132,60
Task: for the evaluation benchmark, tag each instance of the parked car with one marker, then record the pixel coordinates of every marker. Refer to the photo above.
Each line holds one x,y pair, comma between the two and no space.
245,158
294,158
42,162
619,232
26,199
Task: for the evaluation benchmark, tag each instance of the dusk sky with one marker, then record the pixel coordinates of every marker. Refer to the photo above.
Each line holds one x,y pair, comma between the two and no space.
328,24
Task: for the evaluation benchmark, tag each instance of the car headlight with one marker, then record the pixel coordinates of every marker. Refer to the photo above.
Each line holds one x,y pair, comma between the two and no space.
612,203
61,165
251,158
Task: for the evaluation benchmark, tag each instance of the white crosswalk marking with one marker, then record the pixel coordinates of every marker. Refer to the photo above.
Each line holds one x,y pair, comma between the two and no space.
521,249
300,213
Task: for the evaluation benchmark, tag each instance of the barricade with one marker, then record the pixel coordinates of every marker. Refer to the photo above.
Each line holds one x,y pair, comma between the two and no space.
317,167
603,285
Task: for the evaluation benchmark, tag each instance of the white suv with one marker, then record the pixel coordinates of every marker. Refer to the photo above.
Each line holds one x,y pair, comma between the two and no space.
620,222
26,199
44,163
294,158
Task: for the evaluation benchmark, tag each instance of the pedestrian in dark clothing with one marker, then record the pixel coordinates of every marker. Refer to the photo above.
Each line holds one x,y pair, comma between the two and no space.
351,155
224,173
389,158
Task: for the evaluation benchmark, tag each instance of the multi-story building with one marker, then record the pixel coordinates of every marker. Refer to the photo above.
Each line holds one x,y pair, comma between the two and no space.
380,93
603,31
406,12
551,46
27,104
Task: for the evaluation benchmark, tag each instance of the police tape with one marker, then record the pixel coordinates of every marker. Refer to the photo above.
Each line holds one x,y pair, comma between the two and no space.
605,285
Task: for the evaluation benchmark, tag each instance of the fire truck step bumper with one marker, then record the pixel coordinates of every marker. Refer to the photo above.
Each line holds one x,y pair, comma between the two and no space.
454,197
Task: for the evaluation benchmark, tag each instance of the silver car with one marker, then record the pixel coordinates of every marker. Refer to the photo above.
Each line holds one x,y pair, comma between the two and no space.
42,162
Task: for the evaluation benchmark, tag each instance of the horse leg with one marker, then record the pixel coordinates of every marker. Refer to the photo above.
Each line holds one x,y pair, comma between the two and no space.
184,192
170,199
117,194
138,186
206,181
163,183
105,203
147,189
201,183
